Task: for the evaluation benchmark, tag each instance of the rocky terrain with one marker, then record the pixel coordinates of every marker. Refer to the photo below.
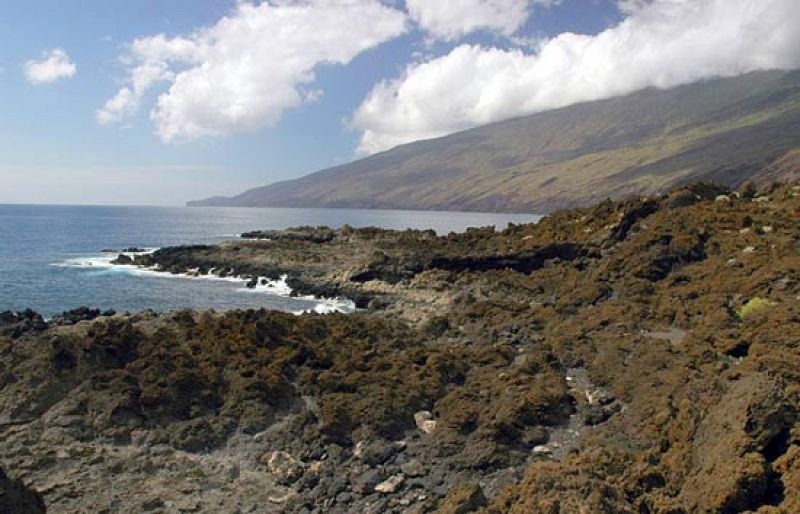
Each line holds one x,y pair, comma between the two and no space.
636,356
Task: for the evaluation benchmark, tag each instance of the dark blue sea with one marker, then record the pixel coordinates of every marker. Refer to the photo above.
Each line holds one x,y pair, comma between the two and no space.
50,257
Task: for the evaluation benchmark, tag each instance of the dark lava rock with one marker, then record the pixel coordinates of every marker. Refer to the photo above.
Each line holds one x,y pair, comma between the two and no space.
77,315
194,435
413,468
596,414
694,193
15,324
364,483
15,498
710,424
122,259
336,485
523,262
376,452
317,235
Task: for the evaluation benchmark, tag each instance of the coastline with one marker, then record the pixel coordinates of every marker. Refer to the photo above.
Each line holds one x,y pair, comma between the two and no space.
126,262
633,356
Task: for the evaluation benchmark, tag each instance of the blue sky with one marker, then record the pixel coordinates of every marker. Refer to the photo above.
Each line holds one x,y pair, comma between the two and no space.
57,147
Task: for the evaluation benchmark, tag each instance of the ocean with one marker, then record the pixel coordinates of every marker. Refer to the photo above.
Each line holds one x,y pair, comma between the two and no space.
51,259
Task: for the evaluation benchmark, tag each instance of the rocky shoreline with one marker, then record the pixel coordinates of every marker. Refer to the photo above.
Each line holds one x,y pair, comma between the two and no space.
635,356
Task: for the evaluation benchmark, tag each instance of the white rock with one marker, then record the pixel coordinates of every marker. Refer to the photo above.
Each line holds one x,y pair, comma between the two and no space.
766,229
390,485
275,498
542,450
424,421
358,450
722,198
749,249
285,468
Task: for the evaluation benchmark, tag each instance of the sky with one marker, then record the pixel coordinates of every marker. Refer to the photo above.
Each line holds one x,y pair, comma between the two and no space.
155,102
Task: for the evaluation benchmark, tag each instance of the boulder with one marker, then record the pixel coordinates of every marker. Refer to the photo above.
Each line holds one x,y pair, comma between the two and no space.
365,483
425,422
14,324
122,259
413,468
734,447
596,414
390,485
283,467
374,452
75,316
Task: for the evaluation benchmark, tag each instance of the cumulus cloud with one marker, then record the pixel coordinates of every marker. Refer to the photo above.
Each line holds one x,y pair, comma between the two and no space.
455,18
243,72
661,43
54,65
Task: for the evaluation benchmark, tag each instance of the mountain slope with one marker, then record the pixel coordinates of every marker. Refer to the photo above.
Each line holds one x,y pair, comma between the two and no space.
727,130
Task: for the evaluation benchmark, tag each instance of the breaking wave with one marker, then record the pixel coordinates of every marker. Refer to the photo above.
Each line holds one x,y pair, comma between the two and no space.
280,287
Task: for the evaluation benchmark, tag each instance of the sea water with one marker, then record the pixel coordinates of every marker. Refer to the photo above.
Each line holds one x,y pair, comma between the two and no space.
51,259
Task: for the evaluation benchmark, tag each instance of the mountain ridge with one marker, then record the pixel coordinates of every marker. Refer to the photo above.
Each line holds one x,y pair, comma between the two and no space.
724,130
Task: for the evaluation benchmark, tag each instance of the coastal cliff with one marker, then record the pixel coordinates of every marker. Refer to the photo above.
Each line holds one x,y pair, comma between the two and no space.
638,355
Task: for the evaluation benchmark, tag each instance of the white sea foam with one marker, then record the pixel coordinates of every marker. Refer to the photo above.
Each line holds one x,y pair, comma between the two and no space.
264,285
281,288
102,260
275,287
334,305
86,262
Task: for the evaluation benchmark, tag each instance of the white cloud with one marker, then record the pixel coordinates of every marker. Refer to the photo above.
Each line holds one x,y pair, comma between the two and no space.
243,72
660,43
53,66
452,19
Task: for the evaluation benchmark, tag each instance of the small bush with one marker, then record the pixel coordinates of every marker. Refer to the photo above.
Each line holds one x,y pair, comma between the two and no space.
754,306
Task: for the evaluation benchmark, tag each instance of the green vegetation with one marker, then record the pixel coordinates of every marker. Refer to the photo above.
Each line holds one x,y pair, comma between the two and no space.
754,306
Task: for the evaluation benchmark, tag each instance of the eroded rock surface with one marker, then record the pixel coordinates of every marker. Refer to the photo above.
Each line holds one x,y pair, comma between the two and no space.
627,357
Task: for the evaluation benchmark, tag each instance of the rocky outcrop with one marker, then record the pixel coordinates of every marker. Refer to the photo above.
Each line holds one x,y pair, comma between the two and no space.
315,235
735,448
15,324
628,357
